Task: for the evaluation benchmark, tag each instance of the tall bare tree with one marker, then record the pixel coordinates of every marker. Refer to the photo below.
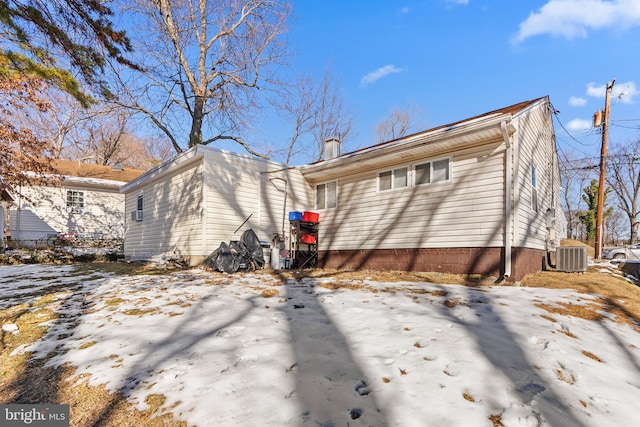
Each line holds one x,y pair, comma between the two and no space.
397,123
206,63
59,123
107,138
575,171
624,179
317,112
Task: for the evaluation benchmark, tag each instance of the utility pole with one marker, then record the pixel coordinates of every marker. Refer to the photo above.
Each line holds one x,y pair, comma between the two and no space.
603,169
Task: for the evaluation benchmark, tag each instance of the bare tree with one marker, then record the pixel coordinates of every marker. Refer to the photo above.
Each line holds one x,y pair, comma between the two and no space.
108,139
575,171
204,61
397,124
624,180
317,112
59,123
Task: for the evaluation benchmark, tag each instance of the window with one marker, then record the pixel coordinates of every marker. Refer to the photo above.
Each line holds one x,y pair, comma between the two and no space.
75,200
534,190
436,171
140,202
327,195
393,179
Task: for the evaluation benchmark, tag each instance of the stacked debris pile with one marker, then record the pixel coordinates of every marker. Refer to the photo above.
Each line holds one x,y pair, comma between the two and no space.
244,254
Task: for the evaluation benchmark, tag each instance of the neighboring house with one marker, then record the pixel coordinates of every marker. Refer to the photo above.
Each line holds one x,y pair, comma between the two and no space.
87,202
478,196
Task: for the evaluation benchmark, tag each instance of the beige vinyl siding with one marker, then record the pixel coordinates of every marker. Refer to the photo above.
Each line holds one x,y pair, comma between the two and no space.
272,209
535,146
467,211
234,186
44,211
172,215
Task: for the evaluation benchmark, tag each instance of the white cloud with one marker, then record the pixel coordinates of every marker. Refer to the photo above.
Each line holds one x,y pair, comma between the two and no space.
376,75
624,92
574,18
404,10
463,2
575,101
579,124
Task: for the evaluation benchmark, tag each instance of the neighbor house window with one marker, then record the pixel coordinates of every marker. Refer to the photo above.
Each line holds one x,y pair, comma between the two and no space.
534,190
140,202
393,179
327,195
436,171
75,199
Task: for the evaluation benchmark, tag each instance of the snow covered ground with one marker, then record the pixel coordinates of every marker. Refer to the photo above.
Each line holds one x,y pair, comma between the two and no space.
250,350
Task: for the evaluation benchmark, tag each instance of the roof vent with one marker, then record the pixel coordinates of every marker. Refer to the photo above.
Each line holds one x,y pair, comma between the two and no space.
117,168
331,148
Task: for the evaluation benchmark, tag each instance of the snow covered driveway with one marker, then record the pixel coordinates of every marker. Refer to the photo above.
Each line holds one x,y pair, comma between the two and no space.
248,349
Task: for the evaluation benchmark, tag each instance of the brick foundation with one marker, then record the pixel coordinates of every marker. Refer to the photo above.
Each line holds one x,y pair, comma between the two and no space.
484,261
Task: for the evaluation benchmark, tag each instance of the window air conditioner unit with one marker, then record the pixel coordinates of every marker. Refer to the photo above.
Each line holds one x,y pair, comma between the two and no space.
571,259
136,215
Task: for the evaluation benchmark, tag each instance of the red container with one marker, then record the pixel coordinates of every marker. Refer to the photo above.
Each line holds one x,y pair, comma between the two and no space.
310,217
307,238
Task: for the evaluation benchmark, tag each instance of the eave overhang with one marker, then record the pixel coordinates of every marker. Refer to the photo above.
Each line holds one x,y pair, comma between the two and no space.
476,132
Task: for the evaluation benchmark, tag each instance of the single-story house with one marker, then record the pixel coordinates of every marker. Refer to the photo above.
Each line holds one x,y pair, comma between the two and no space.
87,202
478,196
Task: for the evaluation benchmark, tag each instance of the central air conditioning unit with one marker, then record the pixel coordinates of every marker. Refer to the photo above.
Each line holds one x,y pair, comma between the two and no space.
136,215
571,259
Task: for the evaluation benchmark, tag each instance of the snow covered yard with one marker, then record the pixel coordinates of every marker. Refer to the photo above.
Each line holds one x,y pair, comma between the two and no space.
258,349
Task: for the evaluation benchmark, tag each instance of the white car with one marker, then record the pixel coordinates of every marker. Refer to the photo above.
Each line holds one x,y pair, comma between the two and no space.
629,252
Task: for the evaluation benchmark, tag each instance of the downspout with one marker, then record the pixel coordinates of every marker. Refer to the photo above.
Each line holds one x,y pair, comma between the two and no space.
508,200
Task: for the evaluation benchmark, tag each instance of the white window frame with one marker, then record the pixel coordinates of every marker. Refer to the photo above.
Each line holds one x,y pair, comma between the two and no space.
140,202
431,174
325,187
393,186
75,200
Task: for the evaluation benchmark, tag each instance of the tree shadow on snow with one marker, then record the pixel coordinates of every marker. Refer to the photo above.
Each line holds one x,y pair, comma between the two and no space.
501,348
330,386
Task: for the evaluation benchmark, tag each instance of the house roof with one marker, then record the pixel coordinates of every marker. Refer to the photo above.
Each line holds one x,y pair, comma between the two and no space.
483,127
5,196
78,169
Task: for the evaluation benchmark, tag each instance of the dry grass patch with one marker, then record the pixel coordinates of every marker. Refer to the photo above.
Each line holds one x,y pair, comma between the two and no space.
120,268
270,293
587,312
390,276
454,302
468,397
592,356
549,318
113,302
566,377
618,296
496,420
28,381
140,311
87,345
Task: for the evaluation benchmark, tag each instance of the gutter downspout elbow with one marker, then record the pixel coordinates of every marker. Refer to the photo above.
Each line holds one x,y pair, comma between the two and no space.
508,200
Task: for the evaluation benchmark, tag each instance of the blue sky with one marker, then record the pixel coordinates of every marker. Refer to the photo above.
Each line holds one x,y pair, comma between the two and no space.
453,59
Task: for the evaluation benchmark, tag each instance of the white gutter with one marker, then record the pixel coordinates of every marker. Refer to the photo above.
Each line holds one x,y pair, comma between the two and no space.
508,200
